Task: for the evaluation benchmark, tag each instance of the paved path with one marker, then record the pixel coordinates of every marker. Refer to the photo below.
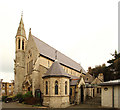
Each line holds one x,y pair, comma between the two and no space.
18,105
90,107
25,107
85,106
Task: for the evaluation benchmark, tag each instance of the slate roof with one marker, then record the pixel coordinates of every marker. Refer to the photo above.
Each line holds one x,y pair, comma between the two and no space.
110,83
73,77
73,82
49,52
56,70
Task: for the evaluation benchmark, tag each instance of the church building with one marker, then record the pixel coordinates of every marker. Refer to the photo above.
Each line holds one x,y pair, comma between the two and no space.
39,67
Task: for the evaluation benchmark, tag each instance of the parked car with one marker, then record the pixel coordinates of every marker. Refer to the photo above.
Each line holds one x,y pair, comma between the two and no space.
8,100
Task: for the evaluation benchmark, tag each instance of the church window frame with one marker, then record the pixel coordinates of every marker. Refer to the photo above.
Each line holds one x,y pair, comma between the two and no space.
56,87
65,87
23,44
46,84
18,43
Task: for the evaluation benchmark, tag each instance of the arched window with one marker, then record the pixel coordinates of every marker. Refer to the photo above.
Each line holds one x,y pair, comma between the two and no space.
65,87
56,87
46,87
22,44
19,44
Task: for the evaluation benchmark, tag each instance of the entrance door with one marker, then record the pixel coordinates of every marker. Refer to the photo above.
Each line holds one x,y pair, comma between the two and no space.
82,94
28,88
38,94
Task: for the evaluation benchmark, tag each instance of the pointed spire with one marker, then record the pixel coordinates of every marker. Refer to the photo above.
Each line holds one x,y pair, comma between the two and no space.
21,29
29,31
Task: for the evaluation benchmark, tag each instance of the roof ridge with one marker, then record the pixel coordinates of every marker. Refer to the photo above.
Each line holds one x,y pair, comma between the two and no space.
57,50
68,61
44,42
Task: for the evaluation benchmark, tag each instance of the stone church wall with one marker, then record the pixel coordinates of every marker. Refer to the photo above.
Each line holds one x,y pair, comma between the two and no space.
60,100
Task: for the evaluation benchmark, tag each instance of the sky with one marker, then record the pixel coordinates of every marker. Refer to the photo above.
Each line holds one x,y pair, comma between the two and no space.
84,30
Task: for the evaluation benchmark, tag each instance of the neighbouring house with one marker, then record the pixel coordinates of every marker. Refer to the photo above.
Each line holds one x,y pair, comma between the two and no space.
110,96
92,85
7,88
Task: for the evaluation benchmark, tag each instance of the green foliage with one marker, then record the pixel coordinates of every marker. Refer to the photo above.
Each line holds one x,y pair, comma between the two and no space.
110,72
18,96
28,94
3,98
98,69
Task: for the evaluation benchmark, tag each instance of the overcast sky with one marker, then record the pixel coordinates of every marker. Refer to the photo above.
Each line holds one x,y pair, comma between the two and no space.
84,30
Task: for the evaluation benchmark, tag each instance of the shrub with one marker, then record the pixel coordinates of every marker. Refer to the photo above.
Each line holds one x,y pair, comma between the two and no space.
3,98
19,95
28,94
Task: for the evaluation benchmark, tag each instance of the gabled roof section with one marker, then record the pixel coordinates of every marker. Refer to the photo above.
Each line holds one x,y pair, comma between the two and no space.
49,52
56,71
21,29
96,81
88,78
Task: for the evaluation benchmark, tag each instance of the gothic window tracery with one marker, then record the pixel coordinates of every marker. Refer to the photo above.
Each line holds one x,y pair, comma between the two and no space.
46,87
65,87
56,87
22,44
18,43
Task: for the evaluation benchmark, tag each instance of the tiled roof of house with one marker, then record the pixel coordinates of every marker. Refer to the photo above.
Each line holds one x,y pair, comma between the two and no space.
56,70
49,52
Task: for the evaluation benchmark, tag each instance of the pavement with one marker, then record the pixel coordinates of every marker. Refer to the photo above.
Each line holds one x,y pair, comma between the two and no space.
19,105
85,106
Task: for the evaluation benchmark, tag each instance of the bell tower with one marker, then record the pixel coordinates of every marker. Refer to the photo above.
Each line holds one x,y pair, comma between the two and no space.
19,66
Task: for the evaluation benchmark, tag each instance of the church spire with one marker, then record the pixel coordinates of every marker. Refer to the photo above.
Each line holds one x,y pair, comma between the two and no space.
21,29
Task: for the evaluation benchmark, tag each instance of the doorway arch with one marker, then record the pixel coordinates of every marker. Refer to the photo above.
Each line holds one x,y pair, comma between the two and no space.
82,93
